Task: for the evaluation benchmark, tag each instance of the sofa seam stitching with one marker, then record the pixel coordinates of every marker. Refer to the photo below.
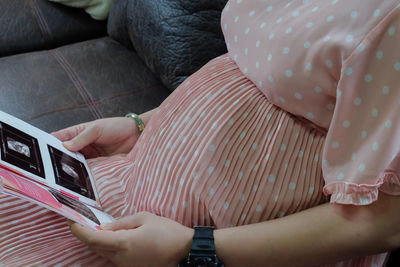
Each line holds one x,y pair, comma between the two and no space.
100,101
43,19
42,30
38,19
78,85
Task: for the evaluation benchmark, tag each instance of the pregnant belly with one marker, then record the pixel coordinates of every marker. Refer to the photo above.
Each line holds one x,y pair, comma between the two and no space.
219,153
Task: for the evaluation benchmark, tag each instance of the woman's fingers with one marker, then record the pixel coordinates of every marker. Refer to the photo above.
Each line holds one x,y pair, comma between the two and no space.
88,136
97,240
66,134
79,137
110,255
129,222
90,152
70,132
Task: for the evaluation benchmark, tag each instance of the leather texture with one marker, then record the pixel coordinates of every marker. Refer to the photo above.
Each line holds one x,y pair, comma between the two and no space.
77,83
30,25
174,38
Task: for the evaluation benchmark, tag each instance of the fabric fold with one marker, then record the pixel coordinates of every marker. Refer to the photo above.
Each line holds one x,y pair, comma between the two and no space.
363,194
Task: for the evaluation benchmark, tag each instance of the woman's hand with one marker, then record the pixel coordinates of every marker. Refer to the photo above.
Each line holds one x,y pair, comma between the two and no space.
143,239
103,137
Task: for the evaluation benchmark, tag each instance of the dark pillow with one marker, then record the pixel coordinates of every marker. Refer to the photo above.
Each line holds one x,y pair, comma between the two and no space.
173,37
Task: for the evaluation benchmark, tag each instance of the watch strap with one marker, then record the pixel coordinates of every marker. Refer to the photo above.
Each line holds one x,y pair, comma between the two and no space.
202,252
203,241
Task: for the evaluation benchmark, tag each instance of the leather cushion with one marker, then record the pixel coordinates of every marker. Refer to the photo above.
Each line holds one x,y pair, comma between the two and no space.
30,25
77,83
174,38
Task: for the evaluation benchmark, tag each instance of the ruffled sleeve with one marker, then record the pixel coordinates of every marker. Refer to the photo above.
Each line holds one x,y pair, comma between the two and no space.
361,153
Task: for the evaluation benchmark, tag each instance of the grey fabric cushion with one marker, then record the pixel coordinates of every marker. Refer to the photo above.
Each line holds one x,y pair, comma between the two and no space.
173,38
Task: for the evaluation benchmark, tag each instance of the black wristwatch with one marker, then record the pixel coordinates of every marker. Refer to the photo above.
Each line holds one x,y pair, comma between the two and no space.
202,253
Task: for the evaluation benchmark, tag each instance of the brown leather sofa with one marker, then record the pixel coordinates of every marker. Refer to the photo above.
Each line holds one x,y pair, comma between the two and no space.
58,67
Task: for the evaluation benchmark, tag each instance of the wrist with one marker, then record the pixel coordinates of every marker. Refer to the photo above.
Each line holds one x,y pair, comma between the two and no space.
186,244
233,248
131,127
138,121
222,243
146,116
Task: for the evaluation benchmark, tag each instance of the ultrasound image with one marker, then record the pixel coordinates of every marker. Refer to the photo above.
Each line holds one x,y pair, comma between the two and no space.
18,147
21,150
71,173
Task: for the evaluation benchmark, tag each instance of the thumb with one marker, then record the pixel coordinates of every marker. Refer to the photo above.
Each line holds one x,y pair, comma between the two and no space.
83,139
129,222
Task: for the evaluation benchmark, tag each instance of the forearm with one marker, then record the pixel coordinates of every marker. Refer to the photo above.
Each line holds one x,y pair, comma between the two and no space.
322,234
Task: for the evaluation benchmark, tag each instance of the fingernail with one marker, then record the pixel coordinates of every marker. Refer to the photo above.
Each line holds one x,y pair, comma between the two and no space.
105,226
68,144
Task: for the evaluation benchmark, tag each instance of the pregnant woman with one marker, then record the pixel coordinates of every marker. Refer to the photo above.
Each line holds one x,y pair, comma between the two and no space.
288,145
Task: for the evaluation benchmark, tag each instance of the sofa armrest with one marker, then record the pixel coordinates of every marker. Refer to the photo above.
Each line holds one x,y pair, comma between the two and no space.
30,25
173,38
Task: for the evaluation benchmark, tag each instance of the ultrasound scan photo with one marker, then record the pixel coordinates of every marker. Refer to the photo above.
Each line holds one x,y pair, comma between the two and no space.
21,150
18,147
69,170
71,173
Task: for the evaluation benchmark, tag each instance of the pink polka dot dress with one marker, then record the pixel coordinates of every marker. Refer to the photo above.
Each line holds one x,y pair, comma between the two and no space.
302,110
335,64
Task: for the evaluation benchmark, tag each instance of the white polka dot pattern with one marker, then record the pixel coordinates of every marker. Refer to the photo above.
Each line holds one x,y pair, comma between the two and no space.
335,63
343,77
230,174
